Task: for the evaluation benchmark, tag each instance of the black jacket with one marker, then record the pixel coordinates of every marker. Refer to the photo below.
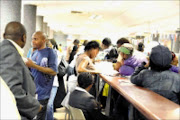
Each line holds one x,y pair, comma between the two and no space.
88,104
17,76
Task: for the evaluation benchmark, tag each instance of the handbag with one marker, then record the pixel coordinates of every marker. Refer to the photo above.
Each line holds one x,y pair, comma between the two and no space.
62,67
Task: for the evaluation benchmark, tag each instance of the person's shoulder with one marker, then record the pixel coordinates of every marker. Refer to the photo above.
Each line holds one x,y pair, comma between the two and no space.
78,96
48,49
6,44
7,48
81,56
91,103
52,51
84,95
173,74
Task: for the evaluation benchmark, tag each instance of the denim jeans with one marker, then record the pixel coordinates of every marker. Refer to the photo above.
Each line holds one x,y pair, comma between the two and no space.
50,110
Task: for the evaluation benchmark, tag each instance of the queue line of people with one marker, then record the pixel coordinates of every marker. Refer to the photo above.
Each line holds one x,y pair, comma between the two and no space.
39,73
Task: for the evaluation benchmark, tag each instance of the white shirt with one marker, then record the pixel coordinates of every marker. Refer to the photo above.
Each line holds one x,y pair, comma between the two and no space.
81,89
19,49
8,106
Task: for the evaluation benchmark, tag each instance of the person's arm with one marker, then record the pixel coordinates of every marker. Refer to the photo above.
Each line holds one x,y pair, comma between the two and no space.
45,70
82,67
94,111
117,65
137,76
52,64
12,71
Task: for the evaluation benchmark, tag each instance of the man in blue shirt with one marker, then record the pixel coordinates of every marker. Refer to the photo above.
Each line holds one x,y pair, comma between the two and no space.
43,66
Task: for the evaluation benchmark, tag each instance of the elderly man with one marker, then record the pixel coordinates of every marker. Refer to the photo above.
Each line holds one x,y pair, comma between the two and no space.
43,66
15,73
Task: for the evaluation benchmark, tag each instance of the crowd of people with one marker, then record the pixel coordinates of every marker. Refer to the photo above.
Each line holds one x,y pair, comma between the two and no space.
35,87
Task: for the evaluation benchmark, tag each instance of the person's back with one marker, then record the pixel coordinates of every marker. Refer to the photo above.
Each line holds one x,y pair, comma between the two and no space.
159,78
165,83
14,71
80,98
84,101
73,53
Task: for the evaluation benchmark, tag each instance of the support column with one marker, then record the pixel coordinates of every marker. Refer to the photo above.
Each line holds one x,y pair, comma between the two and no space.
51,34
29,22
176,44
178,39
10,10
45,27
179,57
39,23
48,31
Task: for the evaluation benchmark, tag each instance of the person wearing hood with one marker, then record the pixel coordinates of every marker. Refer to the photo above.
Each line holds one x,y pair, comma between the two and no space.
158,77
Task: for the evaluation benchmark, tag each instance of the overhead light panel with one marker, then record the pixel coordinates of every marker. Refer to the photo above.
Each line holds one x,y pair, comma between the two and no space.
76,12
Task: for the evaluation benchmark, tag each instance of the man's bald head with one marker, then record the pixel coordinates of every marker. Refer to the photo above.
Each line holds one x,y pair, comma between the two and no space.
41,34
39,40
14,31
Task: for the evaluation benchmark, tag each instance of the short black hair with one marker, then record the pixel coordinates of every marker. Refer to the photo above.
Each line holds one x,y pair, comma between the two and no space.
85,79
85,42
122,41
76,41
92,45
106,42
140,46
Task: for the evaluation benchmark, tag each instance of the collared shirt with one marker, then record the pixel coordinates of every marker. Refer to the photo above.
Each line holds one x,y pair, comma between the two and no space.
81,89
19,49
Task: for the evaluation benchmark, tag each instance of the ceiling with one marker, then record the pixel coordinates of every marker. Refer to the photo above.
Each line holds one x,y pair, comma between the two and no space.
109,18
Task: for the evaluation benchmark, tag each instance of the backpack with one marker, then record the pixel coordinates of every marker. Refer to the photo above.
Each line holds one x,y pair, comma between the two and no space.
62,67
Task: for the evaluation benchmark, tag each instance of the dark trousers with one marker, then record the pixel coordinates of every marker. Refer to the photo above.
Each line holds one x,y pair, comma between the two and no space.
61,93
95,88
121,108
42,114
126,111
